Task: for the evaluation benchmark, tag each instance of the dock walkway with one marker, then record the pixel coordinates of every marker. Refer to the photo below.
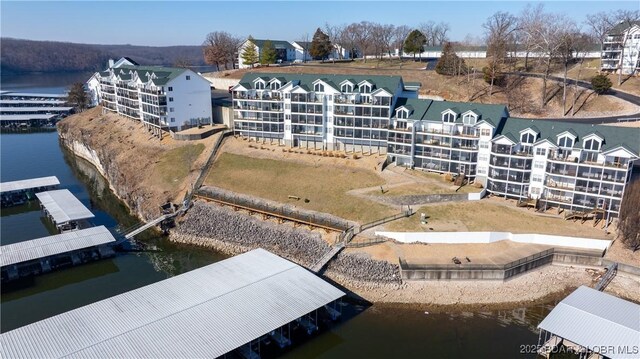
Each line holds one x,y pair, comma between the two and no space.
32,183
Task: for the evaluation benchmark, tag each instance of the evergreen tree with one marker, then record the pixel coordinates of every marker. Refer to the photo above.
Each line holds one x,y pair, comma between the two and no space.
249,55
77,96
320,45
414,43
268,54
600,84
449,63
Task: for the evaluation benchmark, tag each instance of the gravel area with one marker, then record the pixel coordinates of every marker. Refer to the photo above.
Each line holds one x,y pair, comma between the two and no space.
361,267
235,232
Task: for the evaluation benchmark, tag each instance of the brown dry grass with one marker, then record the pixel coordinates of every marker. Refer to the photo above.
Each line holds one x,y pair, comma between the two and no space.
146,171
591,67
324,187
488,215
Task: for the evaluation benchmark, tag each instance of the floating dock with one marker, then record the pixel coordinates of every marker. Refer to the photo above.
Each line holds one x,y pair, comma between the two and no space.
63,208
29,184
45,254
20,110
208,312
19,192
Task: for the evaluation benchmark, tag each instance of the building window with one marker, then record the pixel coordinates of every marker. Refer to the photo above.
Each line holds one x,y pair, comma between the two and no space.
287,106
448,117
287,117
275,86
483,157
536,178
535,191
329,97
402,114
592,145
469,119
346,88
538,164
329,108
173,119
401,124
565,141
188,77
259,85
485,132
170,99
170,88
170,109
541,151
482,171
365,88
484,144
527,138
318,88
287,95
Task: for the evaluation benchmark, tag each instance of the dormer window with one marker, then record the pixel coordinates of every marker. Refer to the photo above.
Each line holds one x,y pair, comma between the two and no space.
318,87
448,117
592,145
565,142
402,114
365,88
346,88
259,85
527,138
275,86
469,119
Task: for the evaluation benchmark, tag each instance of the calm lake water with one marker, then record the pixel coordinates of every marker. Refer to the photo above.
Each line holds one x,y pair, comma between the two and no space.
365,332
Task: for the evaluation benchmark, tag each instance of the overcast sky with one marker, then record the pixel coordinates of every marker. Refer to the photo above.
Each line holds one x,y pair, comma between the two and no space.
159,23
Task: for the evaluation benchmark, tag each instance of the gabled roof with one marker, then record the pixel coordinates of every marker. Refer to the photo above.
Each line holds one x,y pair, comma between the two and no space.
622,27
532,128
474,112
159,74
507,136
613,136
417,107
389,83
452,109
594,133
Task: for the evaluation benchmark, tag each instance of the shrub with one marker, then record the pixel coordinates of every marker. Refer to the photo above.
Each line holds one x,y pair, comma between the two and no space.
601,84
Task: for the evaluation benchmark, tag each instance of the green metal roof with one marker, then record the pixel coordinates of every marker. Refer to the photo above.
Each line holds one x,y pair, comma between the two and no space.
389,83
277,44
417,107
614,136
160,72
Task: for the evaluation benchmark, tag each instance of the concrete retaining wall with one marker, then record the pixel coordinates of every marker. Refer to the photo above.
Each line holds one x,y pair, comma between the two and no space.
489,237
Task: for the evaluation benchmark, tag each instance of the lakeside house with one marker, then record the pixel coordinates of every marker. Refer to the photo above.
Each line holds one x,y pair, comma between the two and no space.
573,166
288,51
162,98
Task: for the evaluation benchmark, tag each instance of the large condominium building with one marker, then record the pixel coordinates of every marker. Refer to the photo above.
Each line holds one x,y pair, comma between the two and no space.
567,165
622,37
162,98
319,111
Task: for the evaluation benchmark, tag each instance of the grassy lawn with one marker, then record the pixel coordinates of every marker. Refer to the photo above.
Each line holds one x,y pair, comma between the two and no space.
174,165
323,186
487,216
421,188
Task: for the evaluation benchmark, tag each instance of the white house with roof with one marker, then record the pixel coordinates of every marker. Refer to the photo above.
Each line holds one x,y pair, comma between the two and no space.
162,98
622,37
285,51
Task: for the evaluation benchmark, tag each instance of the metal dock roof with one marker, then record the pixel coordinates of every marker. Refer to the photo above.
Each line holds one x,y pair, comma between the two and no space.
32,102
594,319
63,206
36,109
52,245
26,117
29,94
29,183
203,313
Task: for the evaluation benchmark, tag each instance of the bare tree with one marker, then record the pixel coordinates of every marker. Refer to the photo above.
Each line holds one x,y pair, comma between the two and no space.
629,218
567,38
428,29
581,46
499,29
361,33
220,47
399,35
530,20
626,18
599,25
440,33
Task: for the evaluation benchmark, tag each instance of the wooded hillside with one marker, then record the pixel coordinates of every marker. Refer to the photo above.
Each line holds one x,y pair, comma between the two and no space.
50,56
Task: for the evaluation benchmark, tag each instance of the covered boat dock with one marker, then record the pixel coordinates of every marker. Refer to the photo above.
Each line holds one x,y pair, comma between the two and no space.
228,306
44,254
63,208
592,324
18,192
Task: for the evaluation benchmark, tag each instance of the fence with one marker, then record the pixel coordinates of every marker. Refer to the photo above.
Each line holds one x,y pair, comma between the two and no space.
275,209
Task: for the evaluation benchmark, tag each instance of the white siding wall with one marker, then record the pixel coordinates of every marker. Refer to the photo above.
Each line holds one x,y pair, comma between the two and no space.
191,99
